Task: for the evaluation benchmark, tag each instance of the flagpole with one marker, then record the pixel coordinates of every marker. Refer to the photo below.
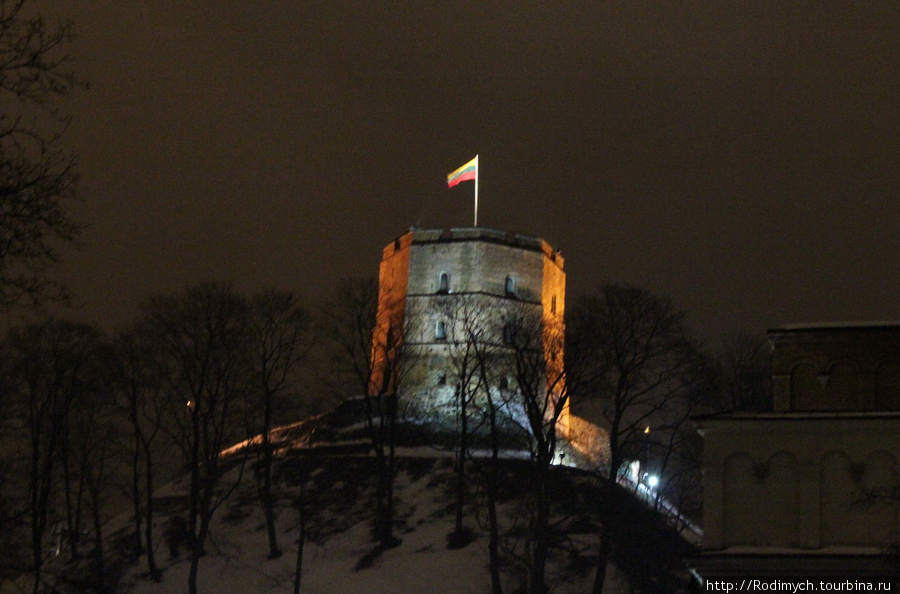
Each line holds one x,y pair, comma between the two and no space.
476,190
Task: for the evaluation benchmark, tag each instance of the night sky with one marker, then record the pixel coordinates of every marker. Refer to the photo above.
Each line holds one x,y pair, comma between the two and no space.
742,157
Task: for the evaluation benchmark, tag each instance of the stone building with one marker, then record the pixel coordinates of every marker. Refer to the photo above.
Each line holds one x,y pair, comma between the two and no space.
429,278
438,286
810,488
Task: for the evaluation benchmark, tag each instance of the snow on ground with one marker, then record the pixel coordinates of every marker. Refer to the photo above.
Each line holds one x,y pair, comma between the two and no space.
236,562
339,480
422,563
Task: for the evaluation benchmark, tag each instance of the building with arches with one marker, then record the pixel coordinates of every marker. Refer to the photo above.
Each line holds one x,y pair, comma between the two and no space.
811,487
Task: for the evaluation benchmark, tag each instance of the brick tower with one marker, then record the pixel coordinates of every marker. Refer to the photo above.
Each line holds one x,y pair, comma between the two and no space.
429,276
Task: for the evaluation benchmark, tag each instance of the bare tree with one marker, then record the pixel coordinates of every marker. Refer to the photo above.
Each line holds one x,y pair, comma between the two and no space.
745,365
139,377
10,512
281,336
377,358
87,456
37,177
51,374
537,349
349,320
202,333
464,320
631,354
98,436
485,334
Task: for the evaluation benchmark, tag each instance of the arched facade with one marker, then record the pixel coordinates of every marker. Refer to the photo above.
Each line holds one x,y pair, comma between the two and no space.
805,482
836,367
810,487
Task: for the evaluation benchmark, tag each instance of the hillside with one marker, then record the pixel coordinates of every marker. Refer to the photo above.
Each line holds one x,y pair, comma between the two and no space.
328,456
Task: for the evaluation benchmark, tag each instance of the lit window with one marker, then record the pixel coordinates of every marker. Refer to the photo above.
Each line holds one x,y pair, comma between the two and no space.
440,331
444,283
510,286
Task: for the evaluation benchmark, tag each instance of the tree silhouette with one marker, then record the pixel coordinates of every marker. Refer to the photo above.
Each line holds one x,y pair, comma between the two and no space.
376,357
52,374
202,334
537,346
281,337
37,176
630,353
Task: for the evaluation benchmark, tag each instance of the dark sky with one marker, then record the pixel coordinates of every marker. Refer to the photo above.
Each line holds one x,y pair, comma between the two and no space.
742,157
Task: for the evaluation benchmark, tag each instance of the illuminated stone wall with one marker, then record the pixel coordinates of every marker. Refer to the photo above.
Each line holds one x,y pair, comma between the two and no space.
393,279
425,271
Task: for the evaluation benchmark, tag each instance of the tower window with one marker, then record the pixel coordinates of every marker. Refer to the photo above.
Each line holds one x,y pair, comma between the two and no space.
510,286
397,245
440,330
553,304
504,383
444,283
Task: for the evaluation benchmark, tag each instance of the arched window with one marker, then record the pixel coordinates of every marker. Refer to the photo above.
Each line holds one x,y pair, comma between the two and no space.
440,331
504,383
444,283
510,285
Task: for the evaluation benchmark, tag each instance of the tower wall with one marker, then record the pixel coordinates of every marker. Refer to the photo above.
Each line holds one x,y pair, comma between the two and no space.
425,271
393,281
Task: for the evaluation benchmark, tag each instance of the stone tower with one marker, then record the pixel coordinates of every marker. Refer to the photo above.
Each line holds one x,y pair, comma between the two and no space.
428,276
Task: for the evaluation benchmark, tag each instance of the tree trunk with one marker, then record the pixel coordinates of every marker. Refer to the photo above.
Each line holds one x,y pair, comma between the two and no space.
493,481
155,574
72,527
197,550
541,537
136,487
380,531
605,537
391,541
298,568
41,483
461,462
268,504
195,498
603,557
192,576
94,489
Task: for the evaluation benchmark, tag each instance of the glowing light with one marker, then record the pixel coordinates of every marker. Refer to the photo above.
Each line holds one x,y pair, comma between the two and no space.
652,481
647,430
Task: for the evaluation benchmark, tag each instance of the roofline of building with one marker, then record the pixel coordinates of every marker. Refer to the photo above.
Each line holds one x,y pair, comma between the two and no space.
484,234
832,326
797,416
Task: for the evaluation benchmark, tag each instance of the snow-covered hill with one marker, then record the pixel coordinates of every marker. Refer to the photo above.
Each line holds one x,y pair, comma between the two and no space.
329,457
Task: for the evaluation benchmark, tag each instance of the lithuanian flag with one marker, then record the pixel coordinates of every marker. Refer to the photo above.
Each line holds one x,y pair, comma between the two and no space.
466,172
